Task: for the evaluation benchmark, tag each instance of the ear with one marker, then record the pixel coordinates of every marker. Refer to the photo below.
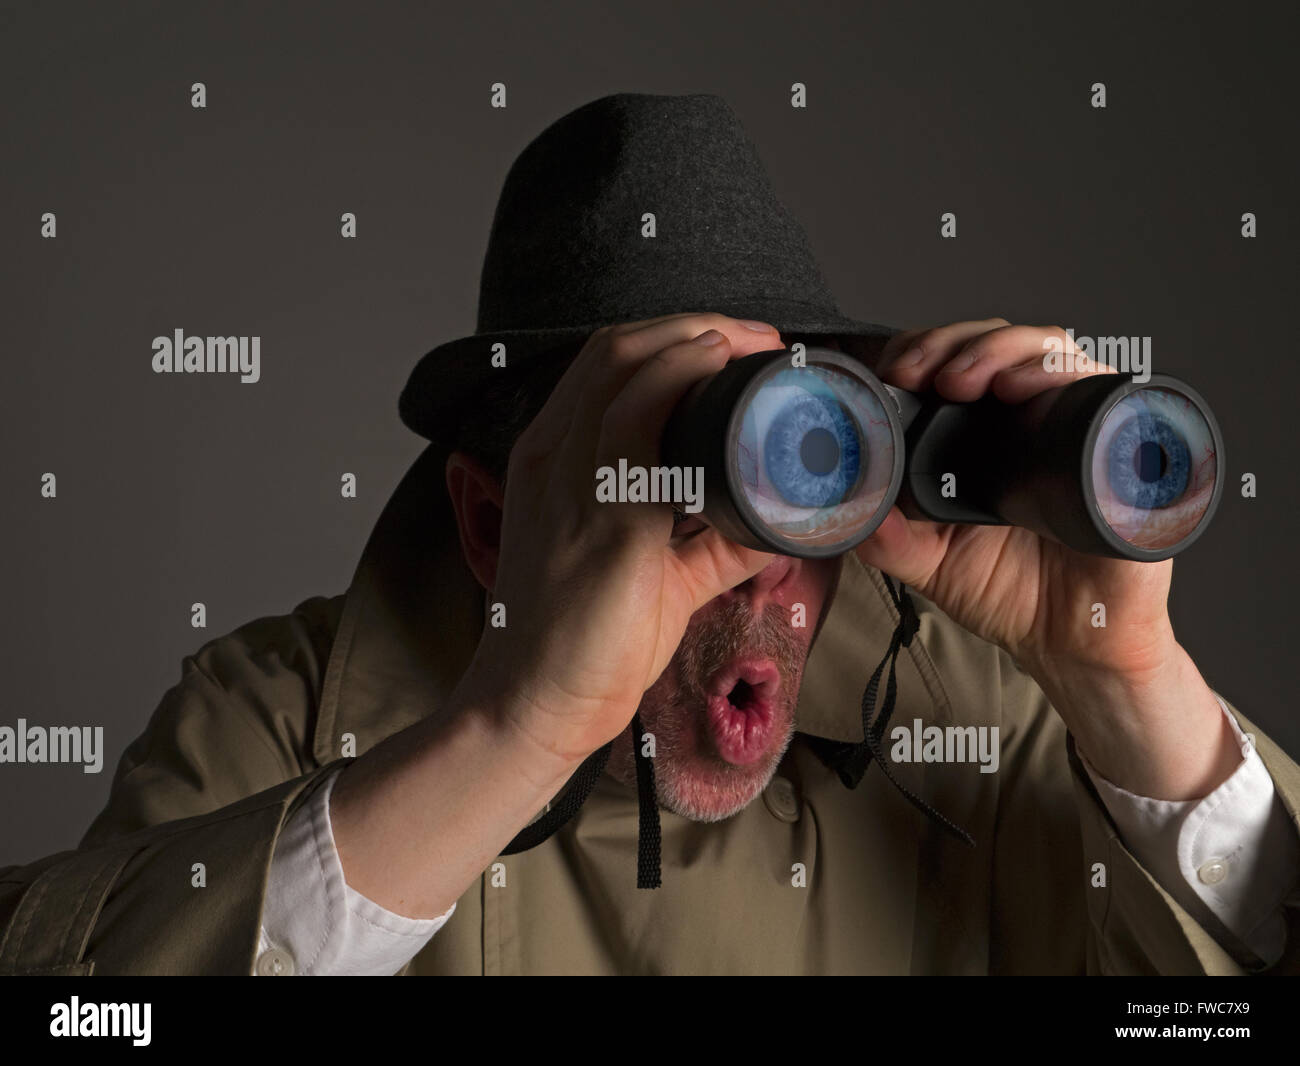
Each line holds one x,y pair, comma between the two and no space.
478,500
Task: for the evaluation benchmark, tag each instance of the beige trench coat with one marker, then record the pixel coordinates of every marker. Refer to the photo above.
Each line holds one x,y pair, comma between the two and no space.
261,713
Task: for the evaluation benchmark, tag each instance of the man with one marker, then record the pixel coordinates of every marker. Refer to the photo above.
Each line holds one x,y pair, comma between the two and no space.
407,777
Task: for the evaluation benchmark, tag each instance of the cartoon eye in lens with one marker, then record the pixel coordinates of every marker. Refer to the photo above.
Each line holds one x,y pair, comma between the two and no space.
812,451
815,454
1154,468
1148,462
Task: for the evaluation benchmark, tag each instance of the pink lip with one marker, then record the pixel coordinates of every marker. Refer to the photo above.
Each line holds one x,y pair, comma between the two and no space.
742,733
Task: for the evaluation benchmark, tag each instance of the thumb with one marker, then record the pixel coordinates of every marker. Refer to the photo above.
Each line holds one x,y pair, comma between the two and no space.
898,549
711,564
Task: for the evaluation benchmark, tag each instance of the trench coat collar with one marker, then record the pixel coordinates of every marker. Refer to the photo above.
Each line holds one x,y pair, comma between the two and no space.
413,613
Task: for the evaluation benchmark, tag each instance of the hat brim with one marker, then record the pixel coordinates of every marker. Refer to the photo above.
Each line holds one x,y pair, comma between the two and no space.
446,378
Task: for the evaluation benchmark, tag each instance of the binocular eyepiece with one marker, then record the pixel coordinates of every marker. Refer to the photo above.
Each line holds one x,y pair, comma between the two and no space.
804,456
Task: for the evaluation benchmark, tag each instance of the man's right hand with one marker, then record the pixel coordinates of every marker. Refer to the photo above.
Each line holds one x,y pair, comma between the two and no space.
598,594
597,598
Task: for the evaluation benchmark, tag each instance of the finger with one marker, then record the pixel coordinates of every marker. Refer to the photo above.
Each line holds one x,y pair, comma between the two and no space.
633,421
610,356
627,355
1025,381
627,347
966,376
918,362
710,564
564,396
897,344
897,548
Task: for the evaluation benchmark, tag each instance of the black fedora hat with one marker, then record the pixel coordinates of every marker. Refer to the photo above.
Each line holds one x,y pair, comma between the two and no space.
568,252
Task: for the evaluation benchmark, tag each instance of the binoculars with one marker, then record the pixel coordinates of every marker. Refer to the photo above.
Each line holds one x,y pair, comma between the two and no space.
805,455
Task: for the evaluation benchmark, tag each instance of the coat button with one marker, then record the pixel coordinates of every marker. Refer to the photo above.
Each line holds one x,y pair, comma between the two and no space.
275,962
1213,872
781,799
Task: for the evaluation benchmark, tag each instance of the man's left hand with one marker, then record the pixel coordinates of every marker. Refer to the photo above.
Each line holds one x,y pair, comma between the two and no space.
1129,693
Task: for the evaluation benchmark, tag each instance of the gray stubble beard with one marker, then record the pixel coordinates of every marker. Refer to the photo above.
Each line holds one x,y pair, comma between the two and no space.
676,704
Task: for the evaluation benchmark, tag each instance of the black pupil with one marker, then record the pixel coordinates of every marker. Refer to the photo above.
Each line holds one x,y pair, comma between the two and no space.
819,451
1150,461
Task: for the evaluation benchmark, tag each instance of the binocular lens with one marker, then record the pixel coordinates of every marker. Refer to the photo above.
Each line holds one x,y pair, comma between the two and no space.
815,454
805,458
1154,468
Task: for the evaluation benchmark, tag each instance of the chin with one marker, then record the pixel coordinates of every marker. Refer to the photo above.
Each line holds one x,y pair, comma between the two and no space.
696,783
721,713
701,793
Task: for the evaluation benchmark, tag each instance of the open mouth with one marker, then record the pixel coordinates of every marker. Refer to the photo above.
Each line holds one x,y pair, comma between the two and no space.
742,709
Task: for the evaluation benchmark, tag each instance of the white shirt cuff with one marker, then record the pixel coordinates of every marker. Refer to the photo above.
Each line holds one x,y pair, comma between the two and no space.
314,923
1233,854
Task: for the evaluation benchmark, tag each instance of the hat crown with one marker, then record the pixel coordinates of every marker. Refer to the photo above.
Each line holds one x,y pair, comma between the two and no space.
567,253
569,243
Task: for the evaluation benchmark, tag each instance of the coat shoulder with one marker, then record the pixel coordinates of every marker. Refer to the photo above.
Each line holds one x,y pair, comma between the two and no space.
240,720
299,642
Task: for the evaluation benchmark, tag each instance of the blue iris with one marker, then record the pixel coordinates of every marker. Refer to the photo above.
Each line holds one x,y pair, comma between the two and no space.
1149,463
812,452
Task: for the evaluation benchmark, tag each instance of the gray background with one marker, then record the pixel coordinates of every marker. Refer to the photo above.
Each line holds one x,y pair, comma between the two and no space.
175,488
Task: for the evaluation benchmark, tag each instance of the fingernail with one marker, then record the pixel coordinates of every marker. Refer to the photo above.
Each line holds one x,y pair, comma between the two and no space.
709,337
909,358
757,327
962,362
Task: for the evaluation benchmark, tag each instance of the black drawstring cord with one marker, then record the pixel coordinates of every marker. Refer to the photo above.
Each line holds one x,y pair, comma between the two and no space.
584,780
850,761
648,840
